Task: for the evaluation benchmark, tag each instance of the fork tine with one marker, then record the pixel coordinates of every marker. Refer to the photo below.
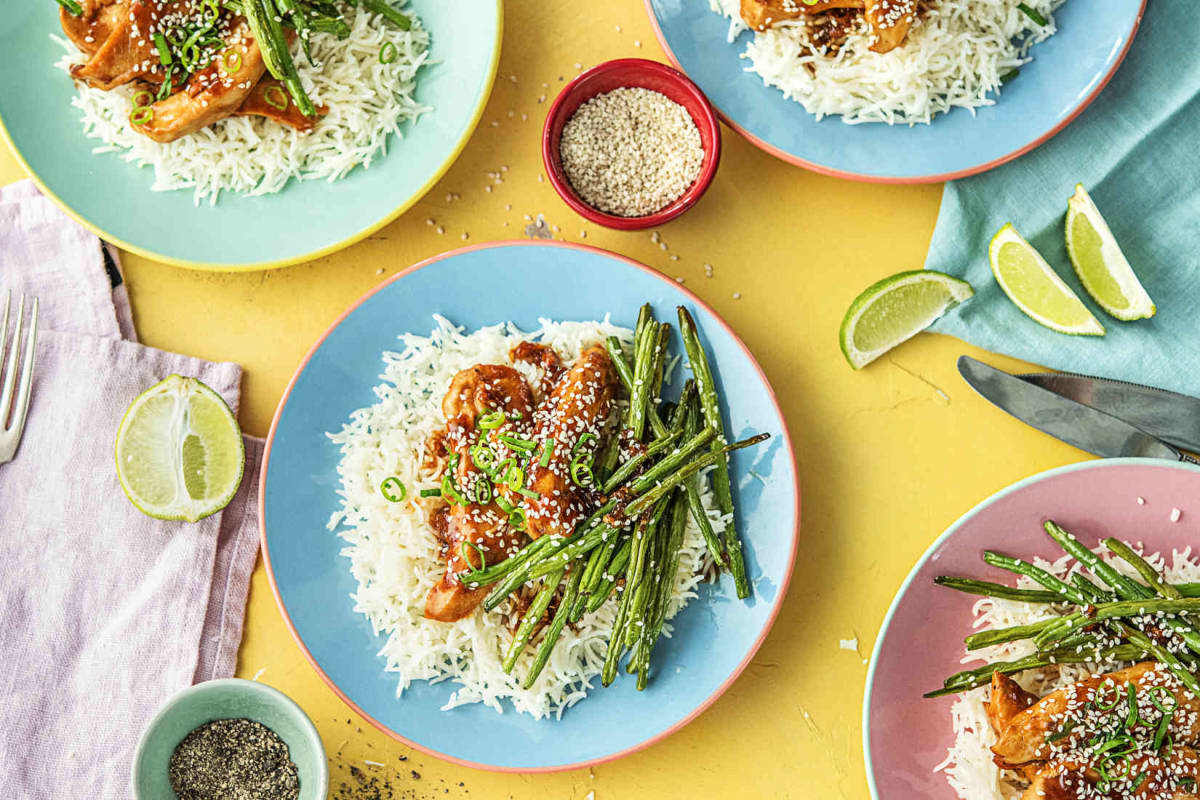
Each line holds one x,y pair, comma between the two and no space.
9,372
25,386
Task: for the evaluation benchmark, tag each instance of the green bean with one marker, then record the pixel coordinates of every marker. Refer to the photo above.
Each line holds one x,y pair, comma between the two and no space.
555,630
722,486
533,615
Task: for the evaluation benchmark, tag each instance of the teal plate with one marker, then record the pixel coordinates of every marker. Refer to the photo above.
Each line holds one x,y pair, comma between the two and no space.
304,221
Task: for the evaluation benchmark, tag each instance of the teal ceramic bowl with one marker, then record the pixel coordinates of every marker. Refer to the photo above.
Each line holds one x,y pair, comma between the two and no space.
307,219
228,699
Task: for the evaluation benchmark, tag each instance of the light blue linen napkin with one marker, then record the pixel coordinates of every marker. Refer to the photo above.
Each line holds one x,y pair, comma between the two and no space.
1137,150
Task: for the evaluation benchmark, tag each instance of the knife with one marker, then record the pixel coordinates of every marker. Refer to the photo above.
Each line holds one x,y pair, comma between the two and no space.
1172,417
1074,423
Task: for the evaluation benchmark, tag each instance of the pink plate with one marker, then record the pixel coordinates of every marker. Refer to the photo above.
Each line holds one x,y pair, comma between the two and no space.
921,642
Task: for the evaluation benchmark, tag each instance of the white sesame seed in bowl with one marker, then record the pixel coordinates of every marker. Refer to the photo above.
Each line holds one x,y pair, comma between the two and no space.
631,144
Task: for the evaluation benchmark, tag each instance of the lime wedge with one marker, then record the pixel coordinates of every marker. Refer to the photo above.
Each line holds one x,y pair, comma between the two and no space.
896,309
179,451
1036,288
1101,266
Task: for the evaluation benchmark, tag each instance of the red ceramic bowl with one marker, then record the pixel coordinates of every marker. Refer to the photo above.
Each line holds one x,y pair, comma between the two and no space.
631,73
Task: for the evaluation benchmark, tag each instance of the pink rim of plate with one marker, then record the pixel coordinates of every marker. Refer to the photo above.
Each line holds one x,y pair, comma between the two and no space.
940,542
948,176
720,690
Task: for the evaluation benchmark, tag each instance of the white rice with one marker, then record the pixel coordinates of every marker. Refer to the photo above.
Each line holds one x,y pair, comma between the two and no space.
968,766
394,555
367,100
955,55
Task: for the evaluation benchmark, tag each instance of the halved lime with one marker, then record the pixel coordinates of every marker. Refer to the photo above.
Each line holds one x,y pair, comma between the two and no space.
1036,288
896,309
1101,266
179,451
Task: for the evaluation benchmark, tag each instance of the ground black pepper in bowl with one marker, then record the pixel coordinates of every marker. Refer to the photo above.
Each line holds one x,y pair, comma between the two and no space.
233,759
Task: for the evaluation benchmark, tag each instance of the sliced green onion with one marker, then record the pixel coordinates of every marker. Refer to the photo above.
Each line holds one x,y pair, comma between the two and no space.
483,491
462,551
1033,14
505,506
230,64
1157,692
491,420
518,443
388,53
164,50
1160,735
583,442
141,115
515,415
168,84
393,489
1108,683
517,518
1062,732
276,97
431,493
581,473
530,493
72,7
1132,718
547,452
515,478
483,457
142,98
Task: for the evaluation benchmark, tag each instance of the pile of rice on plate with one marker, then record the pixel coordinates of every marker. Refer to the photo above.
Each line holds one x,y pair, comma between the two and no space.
394,554
957,54
968,766
367,101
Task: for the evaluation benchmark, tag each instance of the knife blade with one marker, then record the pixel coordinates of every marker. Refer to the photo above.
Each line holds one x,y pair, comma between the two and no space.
1172,417
1074,423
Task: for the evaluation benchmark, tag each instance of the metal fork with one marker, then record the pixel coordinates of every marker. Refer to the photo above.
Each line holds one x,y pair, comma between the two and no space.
16,372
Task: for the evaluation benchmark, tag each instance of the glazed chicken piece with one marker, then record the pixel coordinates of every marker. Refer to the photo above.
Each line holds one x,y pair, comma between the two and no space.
889,19
1023,739
580,403
113,34
210,94
544,358
1071,781
93,27
1006,701
473,392
763,14
259,104
123,53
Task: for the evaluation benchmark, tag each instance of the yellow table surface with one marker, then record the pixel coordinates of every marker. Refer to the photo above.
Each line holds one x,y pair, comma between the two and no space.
888,456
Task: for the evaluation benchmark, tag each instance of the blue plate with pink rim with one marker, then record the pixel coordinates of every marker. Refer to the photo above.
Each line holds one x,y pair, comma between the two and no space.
1067,72
716,635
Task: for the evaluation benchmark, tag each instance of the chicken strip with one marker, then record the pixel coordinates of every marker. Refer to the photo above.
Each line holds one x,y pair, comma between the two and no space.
1171,778
93,26
580,404
210,94
763,14
473,392
1024,739
264,101
1007,700
127,52
889,21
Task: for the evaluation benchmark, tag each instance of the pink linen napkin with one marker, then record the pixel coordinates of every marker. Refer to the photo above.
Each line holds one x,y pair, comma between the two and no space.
104,612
